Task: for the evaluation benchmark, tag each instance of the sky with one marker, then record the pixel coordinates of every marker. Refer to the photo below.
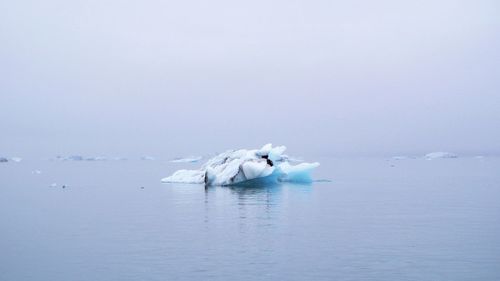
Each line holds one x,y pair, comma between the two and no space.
189,77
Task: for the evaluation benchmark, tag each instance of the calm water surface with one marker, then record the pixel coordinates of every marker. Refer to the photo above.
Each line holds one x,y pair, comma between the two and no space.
375,220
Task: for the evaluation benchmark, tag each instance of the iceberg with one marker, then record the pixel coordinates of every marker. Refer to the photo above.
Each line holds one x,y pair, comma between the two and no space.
439,155
242,167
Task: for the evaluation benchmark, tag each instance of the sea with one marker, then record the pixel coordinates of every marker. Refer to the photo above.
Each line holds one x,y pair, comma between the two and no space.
362,219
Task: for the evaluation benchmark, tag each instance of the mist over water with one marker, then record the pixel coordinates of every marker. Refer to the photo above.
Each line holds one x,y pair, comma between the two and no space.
171,78
97,98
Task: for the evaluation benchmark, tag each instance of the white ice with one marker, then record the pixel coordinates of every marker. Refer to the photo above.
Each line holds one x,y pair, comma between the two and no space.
234,167
439,155
96,158
399,157
186,176
147,158
190,159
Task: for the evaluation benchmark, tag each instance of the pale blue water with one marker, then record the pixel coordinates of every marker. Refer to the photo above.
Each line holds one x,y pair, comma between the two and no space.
419,220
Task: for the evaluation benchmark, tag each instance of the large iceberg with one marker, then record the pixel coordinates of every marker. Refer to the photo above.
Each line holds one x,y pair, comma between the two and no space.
241,167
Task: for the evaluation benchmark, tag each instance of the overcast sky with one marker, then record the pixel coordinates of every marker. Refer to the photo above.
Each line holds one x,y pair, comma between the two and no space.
189,77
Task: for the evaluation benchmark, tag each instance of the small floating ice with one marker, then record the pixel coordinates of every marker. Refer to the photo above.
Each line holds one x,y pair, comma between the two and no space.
96,158
36,172
75,158
440,155
120,159
80,158
16,159
399,158
147,158
190,159
53,185
293,159
236,167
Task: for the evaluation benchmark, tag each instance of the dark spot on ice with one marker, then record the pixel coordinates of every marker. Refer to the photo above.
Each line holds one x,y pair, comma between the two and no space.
269,162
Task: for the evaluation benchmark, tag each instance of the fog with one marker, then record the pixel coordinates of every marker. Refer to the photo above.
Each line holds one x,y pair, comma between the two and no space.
192,77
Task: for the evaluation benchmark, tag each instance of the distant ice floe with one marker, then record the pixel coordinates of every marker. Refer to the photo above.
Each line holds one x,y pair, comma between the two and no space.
96,158
190,159
404,157
74,158
241,167
440,155
120,159
400,158
147,158
80,158
13,159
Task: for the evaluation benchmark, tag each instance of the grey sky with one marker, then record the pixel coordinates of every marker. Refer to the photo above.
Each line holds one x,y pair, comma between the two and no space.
188,77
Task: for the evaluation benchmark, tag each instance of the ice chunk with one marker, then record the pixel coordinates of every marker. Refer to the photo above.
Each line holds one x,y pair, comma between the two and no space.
190,159
80,158
75,158
298,173
400,157
276,153
265,149
96,158
323,180
255,169
292,159
16,159
147,158
235,167
186,176
120,159
438,155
